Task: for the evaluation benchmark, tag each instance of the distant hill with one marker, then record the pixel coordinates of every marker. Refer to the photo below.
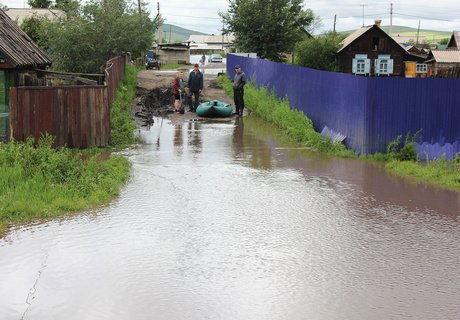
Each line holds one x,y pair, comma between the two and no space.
431,35
175,33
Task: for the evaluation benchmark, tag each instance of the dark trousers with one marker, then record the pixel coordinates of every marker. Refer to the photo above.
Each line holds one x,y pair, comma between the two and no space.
238,96
194,102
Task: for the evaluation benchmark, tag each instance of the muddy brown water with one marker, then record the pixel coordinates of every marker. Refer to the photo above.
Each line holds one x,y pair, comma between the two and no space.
228,220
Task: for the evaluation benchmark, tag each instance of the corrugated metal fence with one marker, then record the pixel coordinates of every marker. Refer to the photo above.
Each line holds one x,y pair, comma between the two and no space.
369,111
78,116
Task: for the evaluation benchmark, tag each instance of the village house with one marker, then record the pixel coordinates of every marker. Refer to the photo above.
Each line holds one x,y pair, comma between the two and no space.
20,57
446,63
370,51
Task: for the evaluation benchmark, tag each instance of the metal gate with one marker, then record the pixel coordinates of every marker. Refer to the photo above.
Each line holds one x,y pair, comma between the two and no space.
4,109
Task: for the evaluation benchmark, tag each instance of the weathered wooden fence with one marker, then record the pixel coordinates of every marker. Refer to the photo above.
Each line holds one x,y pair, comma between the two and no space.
370,112
78,116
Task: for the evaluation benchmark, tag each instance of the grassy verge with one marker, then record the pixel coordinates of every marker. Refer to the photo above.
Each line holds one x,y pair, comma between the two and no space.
443,173
123,124
40,182
401,157
294,123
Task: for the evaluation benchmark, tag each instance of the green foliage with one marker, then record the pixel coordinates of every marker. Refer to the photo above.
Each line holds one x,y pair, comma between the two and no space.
70,7
294,123
169,66
102,30
396,150
319,52
40,182
123,124
36,28
441,172
268,27
39,4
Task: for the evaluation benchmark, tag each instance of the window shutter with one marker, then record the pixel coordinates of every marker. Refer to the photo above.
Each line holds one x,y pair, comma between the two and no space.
354,66
367,66
390,66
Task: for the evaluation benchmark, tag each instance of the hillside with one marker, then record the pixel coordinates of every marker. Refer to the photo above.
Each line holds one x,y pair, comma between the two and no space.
431,35
173,33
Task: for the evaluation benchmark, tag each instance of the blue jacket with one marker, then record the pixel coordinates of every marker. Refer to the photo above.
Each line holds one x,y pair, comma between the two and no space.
195,81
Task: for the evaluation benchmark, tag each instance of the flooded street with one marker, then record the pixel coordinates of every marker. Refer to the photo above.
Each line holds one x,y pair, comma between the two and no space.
229,220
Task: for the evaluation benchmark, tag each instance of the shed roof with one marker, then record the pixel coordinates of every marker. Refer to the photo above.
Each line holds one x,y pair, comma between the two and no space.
446,56
17,47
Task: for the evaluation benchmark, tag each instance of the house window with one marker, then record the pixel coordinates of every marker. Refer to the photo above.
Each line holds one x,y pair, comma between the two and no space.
361,64
421,68
383,65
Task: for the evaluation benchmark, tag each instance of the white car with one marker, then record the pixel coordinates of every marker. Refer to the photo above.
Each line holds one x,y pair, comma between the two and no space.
216,58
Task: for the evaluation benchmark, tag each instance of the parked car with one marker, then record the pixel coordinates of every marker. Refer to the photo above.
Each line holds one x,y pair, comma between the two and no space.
215,58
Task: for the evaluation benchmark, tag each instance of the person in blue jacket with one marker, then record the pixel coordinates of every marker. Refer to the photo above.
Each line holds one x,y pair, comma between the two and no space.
195,85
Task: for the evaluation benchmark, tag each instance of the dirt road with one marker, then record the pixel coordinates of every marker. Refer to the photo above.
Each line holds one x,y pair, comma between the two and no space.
155,96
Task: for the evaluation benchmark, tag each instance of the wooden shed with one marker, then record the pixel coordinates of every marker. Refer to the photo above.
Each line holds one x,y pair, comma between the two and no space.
173,53
19,57
370,51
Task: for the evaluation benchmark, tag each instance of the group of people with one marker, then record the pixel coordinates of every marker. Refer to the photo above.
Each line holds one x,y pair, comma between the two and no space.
195,87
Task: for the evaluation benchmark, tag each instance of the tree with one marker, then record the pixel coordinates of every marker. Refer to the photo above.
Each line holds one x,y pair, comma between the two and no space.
39,4
36,28
103,29
319,52
70,7
268,27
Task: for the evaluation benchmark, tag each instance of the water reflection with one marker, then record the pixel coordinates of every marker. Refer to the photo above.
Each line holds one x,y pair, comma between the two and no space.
178,139
258,155
194,136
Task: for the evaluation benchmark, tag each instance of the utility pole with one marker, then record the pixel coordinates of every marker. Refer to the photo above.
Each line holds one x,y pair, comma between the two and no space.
391,19
335,20
139,5
169,33
418,33
363,5
222,35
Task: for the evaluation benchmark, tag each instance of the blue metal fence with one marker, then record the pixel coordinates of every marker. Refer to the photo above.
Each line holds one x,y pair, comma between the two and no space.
370,112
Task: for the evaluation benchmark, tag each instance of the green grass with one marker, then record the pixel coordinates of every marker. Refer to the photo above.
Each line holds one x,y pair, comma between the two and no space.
40,182
169,66
443,173
123,125
294,123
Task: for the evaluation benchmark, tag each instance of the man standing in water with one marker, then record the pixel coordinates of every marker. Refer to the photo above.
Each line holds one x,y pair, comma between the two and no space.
238,90
195,85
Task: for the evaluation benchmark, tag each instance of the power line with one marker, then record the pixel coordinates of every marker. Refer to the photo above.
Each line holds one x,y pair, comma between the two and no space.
420,17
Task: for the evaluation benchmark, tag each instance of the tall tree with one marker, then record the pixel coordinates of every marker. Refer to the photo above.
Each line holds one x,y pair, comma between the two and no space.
103,29
319,52
267,27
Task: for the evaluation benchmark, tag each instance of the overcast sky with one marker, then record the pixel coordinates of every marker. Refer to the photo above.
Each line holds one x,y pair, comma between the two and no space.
202,15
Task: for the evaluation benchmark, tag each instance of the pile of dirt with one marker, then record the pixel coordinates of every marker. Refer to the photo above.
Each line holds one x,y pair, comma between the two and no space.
158,102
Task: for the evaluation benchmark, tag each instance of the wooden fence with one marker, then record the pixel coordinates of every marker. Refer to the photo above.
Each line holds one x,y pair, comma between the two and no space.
78,116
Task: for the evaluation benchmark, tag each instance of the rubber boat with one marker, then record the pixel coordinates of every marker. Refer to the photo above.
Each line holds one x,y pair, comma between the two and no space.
214,109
